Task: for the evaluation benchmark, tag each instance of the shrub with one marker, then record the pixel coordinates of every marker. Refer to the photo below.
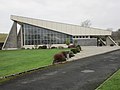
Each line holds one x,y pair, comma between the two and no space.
71,54
71,46
111,44
39,47
53,47
59,58
74,50
33,48
65,53
119,43
100,44
60,47
78,49
42,47
23,48
78,46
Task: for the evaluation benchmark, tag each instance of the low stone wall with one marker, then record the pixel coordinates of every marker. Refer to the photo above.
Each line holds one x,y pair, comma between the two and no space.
87,42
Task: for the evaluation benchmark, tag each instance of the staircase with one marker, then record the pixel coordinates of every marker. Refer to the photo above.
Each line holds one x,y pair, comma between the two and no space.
112,40
103,41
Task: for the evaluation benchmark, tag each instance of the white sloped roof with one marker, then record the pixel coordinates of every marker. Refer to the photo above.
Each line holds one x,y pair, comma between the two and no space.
61,27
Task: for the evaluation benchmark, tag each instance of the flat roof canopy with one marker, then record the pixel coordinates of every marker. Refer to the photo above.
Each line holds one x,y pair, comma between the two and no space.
62,27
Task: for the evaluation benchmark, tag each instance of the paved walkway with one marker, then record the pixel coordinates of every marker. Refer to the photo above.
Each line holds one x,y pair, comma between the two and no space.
83,74
93,50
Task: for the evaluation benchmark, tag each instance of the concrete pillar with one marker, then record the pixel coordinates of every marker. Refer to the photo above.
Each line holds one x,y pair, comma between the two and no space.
19,45
11,40
108,42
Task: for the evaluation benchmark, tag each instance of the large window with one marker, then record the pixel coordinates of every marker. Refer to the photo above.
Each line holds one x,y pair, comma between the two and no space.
34,35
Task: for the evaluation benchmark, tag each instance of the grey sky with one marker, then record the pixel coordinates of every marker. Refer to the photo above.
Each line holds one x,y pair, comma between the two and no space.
102,13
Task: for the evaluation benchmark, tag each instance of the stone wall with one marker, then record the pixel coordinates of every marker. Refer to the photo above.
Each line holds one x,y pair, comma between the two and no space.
87,42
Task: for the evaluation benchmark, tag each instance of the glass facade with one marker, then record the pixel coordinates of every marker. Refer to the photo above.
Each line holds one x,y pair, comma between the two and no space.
33,35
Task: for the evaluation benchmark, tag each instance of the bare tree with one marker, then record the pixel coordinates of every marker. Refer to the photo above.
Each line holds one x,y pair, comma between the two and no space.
67,42
110,29
86,23
75,42
119,30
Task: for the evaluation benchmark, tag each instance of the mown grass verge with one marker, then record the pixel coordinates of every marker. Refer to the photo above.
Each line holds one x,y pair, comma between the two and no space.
112,83
16,61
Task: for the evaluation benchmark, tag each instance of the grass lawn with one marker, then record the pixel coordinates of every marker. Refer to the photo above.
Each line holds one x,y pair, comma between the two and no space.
113,83
15,61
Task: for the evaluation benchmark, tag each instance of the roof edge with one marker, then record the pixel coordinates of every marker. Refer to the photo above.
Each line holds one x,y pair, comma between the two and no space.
12,17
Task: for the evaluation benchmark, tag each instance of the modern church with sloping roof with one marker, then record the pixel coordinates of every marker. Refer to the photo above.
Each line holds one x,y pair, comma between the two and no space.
42,32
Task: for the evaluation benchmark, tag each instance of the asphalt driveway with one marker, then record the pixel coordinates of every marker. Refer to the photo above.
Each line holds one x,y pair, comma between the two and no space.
83,74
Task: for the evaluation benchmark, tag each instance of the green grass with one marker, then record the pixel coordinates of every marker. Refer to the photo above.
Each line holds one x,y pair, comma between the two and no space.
113,83
16,61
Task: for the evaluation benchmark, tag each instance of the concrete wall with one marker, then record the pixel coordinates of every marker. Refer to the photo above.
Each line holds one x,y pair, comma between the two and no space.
82,42
87,42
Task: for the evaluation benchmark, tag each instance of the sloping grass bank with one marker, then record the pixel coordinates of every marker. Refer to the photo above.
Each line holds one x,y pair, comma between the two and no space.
2,37
16,61
113,83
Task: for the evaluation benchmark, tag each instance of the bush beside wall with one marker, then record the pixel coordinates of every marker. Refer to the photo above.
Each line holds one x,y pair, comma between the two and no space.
42,47
74,50
71,54
78,46
59,58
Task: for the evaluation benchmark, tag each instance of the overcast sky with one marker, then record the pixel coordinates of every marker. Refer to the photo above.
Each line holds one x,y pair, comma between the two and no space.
102,13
